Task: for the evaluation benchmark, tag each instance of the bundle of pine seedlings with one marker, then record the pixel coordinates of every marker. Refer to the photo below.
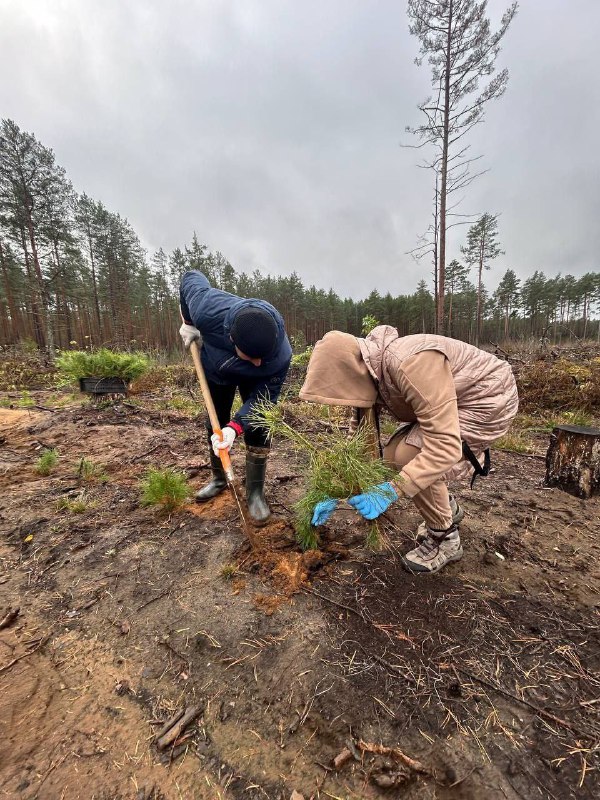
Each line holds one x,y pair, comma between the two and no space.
102,363
338,467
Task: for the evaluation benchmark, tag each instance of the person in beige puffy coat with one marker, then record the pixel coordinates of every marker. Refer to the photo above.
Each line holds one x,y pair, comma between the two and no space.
452,400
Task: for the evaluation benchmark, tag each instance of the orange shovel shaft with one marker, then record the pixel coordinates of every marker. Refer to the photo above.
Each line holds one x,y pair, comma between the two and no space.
210,407
224,456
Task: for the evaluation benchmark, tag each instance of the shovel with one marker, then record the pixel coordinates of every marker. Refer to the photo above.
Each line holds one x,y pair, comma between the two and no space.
214,421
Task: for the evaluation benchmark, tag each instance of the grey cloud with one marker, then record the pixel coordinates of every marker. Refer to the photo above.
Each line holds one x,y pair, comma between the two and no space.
273,127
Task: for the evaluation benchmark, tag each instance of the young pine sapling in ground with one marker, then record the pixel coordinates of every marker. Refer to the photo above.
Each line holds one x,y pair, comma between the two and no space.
47,461
165,487
338,467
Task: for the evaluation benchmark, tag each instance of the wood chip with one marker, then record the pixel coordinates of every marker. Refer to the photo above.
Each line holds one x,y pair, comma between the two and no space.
10,616
342,758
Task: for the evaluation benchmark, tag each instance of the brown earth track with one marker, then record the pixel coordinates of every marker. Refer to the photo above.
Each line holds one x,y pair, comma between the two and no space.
298,653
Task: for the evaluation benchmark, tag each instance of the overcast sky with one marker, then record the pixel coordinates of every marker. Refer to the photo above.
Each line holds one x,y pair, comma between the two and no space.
273,129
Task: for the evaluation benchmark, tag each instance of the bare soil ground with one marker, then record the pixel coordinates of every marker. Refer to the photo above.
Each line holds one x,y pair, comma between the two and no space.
486,676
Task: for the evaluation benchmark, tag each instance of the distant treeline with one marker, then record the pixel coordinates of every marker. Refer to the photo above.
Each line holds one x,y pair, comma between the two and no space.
71,271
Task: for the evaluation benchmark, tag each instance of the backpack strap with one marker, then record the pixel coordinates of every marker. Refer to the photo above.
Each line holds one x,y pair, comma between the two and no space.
484,470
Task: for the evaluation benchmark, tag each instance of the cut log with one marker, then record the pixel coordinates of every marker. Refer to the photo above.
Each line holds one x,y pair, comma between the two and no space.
573,460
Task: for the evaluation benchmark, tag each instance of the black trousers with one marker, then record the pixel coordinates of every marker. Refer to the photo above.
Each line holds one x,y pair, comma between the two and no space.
223,396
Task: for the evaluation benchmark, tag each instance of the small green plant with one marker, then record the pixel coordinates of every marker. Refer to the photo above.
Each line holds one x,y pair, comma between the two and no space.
25,401
187,405
368,323
103,363
388,427
165,487
228,571
374,539
237,404
60,399
76,505
302,359
89,471
338,467
47,461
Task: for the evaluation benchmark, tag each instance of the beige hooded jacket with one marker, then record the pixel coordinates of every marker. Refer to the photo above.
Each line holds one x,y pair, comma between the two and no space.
445,389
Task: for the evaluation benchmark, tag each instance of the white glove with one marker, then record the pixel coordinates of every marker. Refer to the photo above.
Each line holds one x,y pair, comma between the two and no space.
189,334
228,439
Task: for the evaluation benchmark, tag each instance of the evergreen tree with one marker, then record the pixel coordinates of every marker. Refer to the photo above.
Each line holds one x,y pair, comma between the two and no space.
32,195
532,296
424,306
456,278
481,248
507,297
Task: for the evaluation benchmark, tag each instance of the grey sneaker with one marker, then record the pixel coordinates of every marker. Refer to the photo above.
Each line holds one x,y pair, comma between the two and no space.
438,549
458,514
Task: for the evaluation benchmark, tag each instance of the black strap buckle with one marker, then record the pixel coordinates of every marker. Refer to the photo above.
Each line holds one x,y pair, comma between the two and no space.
478,469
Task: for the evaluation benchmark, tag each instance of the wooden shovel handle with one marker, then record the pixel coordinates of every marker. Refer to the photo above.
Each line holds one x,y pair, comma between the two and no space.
210,407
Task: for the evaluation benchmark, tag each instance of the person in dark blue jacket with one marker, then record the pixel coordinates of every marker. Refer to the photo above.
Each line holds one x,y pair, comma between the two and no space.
245,347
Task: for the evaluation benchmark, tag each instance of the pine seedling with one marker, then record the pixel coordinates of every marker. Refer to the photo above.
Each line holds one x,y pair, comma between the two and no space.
338,467
47,461
373,540
89,471
165,487
76,506
103,363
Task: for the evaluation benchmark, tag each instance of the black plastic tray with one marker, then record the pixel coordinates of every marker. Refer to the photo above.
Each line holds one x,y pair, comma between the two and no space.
103,385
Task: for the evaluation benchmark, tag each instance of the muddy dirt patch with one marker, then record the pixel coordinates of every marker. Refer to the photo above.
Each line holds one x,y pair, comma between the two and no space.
486,675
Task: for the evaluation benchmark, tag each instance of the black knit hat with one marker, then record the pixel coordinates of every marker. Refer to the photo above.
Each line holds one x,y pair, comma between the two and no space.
254,332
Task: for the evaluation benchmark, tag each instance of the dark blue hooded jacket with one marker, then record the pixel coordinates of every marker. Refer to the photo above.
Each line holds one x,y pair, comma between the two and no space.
212,311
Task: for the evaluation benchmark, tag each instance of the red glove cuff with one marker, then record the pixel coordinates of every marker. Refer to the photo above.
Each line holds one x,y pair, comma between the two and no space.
236,427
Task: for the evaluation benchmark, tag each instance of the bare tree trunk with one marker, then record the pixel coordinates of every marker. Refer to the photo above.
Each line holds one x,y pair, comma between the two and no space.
5,335
46,316
479,282
478,314
94,280
15,316
38,324
444,187
436,236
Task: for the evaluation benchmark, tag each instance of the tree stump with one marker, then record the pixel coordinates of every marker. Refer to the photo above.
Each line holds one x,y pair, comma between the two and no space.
573,460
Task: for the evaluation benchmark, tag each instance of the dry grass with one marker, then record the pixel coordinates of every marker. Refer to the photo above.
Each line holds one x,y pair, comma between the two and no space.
562,385
158,377
517,441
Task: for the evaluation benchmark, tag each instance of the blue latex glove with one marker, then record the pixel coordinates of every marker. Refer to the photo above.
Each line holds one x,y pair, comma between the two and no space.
374,502
323,510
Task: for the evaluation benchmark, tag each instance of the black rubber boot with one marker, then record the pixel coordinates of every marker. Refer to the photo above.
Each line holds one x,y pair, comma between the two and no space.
256,466
217,484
